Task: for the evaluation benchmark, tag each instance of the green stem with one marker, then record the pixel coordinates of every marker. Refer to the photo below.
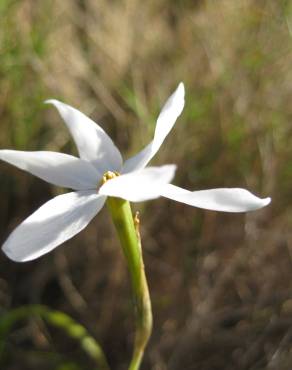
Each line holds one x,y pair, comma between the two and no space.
131,244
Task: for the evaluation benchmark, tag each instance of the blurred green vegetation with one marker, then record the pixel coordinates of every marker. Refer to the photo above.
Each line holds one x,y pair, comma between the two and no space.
221,284
57,319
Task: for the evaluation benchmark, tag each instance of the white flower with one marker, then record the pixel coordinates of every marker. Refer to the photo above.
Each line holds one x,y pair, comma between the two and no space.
65,215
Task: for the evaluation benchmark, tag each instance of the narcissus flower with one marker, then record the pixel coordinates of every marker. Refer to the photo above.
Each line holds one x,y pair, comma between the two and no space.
100,172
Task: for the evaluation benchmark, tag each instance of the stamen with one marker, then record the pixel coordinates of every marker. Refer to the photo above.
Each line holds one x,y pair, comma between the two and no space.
109,175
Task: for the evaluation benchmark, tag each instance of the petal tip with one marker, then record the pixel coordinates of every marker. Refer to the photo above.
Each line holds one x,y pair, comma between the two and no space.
259,203
49,101
9,253
54,102
181,90
181,86
266,201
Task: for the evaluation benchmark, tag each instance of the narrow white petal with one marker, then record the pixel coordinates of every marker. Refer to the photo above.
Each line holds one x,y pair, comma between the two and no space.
52,224
139,185
225,200
93,144
166,120
168,115
56,168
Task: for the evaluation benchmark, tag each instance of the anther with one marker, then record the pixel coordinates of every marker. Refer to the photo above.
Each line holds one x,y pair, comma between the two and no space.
109,175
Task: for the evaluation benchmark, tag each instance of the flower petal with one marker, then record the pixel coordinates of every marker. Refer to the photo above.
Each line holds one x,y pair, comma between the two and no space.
167,117
56,168
93,144
225,200
139,185
52,224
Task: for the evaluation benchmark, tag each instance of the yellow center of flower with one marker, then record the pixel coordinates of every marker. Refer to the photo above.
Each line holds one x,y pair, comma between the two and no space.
109,175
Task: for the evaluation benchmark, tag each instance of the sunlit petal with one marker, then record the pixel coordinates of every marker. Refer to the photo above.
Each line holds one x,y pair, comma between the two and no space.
52,224
139,185
56,168
225,200
167,117
93,144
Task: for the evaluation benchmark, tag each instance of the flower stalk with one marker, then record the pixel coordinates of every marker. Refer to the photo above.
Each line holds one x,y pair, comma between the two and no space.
128,233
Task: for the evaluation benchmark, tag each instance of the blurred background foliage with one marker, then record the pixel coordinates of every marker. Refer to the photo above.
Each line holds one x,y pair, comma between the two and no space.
220,283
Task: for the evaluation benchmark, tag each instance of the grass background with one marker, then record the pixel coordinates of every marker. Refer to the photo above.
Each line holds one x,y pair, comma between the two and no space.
220,283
